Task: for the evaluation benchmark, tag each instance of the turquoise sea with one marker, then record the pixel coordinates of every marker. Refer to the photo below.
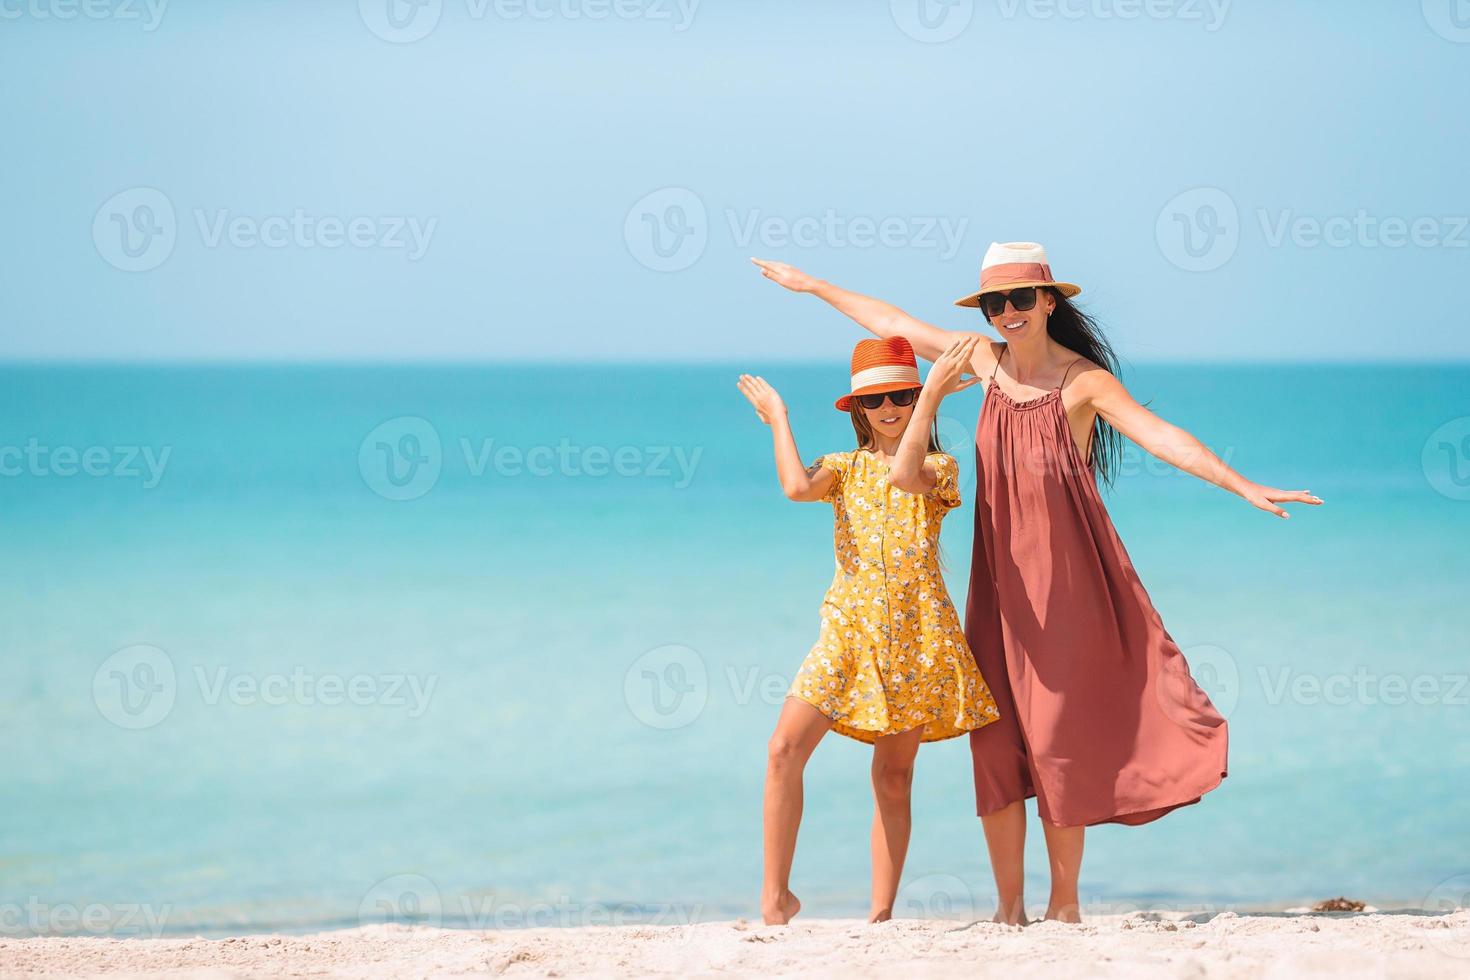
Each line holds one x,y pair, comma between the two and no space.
303,647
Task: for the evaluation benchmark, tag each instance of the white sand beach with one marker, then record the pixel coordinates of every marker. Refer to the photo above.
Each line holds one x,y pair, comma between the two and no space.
1139,944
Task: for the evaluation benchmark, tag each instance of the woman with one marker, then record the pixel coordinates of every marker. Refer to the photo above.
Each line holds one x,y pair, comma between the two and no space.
1100,720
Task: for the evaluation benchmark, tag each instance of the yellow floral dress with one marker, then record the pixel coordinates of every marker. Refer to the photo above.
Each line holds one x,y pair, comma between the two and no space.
891,655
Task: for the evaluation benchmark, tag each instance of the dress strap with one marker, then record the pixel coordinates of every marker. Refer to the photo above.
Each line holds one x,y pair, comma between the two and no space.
1067,372
994,370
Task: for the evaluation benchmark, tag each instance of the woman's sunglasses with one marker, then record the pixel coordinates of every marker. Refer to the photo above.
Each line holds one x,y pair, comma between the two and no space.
902,398
994,304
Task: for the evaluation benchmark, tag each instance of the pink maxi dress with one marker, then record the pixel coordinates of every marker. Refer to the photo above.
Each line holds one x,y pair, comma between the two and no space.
1100,719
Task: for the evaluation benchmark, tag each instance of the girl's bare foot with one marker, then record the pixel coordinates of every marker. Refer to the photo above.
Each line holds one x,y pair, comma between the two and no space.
780,909
881,915
1019,919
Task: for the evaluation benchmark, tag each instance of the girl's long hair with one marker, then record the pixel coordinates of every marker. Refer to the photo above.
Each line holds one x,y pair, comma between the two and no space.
1079,332
866,439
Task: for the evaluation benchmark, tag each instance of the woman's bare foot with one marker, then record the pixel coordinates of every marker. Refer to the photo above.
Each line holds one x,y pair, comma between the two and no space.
880,915
780,909
1064,913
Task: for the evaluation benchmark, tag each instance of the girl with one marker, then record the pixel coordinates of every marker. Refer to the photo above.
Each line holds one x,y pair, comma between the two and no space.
890,667
1100,720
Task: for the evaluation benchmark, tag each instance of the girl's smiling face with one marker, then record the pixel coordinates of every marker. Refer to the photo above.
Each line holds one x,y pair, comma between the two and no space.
889,419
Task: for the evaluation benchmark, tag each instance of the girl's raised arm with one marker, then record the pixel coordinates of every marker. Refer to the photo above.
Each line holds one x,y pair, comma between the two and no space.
1177,447
911,470
879,318
797,482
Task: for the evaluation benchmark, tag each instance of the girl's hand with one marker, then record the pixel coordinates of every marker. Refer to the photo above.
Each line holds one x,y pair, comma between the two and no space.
1267,498
768,404
787,275
948,374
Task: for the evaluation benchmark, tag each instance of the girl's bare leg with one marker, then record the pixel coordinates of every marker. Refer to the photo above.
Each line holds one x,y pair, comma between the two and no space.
893,781
798,730
1005,838
1064,853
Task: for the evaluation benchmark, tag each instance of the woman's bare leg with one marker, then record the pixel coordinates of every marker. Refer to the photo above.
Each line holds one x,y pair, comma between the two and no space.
893,783
798,730
1005,838
1064,854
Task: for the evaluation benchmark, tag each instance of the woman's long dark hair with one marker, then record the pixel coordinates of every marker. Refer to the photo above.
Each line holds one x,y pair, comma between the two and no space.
867,440
1079,332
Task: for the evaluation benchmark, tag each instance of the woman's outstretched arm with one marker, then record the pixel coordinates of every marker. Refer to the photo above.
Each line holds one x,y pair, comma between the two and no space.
880,318
798,483
1175,446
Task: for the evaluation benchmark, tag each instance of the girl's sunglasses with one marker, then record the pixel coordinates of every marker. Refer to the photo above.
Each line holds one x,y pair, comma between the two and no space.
994,304
902,398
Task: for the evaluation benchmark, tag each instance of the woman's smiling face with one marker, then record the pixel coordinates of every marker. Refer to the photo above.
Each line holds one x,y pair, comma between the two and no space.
1013,324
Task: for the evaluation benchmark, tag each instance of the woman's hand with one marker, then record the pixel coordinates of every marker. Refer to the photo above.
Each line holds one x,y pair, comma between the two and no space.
948,374
1267,498
768,404
787,275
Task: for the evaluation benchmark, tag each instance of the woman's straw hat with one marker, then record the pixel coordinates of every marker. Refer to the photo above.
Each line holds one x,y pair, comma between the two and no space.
1012,266
879,366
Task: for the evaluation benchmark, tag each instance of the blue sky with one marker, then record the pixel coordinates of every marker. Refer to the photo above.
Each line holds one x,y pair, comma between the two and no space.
545,180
